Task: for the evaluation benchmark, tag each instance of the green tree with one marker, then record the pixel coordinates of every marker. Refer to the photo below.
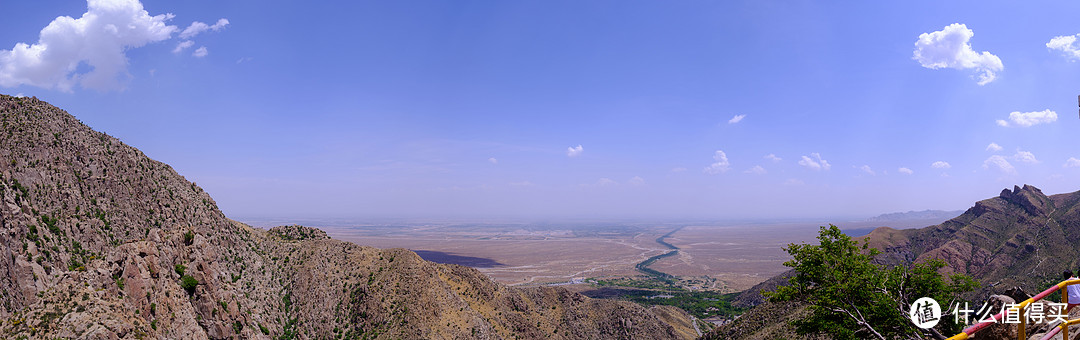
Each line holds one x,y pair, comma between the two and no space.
851,297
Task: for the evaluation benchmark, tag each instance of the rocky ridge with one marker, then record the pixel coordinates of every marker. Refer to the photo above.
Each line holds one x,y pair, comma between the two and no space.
1021,238
98,241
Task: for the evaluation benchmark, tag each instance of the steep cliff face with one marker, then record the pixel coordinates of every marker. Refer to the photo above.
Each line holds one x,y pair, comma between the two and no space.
99,241
1020,238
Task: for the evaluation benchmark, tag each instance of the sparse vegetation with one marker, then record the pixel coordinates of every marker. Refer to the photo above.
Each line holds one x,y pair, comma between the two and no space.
189,283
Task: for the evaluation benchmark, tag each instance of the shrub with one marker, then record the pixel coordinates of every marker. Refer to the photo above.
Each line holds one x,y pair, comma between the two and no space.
180,269
188,283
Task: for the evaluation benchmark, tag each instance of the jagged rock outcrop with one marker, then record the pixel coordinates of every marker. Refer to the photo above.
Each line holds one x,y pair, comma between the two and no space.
1021,238
98,241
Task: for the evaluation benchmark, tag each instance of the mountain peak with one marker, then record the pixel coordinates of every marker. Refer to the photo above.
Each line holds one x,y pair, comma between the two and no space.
1030,198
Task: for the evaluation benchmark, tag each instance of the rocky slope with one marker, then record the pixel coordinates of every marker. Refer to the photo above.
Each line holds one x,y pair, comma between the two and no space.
98,241
1021,238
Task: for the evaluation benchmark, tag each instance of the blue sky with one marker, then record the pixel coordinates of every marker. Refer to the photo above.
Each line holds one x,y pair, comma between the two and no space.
477,109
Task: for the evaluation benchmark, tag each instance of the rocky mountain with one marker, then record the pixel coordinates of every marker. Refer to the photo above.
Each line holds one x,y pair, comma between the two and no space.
98,241
1021,238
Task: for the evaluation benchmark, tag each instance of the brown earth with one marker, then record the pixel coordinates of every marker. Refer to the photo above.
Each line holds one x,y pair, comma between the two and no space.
96,240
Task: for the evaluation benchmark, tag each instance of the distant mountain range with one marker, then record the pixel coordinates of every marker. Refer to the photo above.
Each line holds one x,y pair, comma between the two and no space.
916,215
98,241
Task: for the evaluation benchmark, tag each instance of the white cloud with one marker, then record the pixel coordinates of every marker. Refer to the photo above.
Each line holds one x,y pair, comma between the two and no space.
1026,119
736,119
679,169
1025,156
773,158
950,48
198,27
574,151
940,165
868,170
636,180
905,171
183,45
1072,162
993,147
1067,45
604,181
757,170
814,162
99,39
492,160
1000,163
721,164
200,52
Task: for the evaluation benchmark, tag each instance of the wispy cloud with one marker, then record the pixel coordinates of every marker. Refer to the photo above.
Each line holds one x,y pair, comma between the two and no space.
1025,157
905,171
815,162
950,48
574,151
492,160
721,164
736,119
866,169
678,169
1066,44
993,147
757,170
999,163
636,180
1026,119
200,52
940,165
1072,162
197,28
183,45
773,158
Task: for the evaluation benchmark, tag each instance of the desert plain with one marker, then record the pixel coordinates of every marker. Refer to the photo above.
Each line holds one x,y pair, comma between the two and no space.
726,256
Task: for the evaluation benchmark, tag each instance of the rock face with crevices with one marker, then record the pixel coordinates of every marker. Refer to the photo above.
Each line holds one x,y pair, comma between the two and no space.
98,241
1021,238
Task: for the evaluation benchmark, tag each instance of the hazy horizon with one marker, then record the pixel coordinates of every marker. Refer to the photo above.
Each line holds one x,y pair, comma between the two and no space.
743,110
